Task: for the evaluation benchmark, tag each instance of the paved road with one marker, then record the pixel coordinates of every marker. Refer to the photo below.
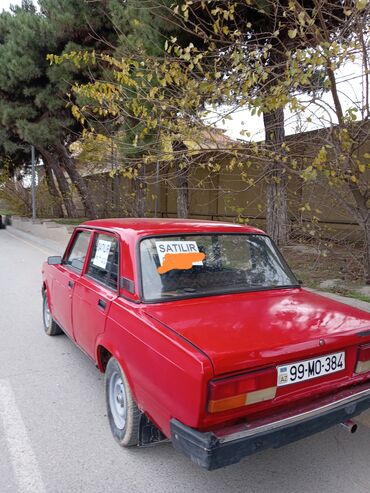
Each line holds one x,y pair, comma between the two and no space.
54,435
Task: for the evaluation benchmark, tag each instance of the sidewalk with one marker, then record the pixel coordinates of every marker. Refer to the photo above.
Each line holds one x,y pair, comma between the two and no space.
54,247
362,305
44,229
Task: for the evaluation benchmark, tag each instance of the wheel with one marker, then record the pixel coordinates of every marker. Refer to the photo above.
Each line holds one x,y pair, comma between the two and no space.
123,413
50,326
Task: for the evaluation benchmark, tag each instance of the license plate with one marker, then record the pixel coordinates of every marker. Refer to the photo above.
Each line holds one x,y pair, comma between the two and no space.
312,368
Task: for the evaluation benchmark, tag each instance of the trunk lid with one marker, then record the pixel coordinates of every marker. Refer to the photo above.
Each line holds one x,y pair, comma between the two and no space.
248,330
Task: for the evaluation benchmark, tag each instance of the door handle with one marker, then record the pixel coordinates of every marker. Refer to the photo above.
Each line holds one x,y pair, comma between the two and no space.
102,304
70,284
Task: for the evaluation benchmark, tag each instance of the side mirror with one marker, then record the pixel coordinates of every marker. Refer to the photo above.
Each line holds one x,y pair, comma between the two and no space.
54,260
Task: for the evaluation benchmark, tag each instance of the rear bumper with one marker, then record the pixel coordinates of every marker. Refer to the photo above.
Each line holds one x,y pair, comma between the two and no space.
220,448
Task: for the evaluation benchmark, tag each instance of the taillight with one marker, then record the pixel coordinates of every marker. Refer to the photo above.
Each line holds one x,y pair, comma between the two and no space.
363,359
242,390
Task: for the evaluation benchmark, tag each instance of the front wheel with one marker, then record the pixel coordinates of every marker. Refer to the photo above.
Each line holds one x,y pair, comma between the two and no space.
123,413
50,326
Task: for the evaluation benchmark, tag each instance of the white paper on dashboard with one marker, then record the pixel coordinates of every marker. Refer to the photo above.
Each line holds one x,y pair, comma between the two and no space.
102,253
164,247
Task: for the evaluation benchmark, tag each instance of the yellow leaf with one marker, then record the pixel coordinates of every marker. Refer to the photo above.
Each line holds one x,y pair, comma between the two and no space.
292,33
361,4
301,17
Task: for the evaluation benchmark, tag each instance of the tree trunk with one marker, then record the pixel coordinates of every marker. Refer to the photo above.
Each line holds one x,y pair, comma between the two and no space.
367,251
276,194
182,189
54,193
63,185
181,180
361,212
140,193
78,181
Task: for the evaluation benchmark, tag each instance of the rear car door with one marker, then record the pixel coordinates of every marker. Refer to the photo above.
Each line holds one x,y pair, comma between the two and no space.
65,277
95,290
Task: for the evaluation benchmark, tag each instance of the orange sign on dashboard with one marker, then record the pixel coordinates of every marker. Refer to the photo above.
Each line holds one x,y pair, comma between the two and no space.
180,261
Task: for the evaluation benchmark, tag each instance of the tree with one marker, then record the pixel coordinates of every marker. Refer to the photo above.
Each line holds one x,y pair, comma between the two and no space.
168,95
33,104
141,34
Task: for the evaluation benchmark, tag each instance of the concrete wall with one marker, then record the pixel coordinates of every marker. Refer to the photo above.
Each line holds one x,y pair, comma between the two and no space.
224,196
48,230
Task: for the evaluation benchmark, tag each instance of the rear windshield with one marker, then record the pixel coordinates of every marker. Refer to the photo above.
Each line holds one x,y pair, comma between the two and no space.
200,265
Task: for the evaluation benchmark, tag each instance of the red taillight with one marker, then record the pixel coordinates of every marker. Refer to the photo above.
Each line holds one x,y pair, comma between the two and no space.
364,353
242,390
363,359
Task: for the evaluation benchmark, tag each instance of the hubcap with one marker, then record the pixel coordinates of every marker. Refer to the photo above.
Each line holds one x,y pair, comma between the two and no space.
118,400
47,314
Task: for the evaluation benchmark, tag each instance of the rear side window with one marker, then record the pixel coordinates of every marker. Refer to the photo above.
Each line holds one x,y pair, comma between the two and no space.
103,264
77,254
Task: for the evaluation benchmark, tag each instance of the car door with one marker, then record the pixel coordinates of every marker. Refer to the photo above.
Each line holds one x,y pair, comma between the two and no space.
65,277
95,290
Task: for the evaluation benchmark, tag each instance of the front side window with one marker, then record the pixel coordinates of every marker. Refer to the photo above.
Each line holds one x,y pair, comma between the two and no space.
77,254
201,265
103,264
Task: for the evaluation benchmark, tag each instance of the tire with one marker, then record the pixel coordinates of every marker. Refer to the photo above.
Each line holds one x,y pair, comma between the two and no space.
123,413
50,326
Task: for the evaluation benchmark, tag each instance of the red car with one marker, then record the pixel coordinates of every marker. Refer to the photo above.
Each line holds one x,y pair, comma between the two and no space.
206,337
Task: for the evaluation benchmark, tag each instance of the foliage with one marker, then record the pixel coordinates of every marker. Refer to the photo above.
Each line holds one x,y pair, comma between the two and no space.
236,59
33,94
13,192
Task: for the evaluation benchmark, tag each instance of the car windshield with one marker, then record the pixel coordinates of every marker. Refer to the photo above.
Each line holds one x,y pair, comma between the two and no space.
201,265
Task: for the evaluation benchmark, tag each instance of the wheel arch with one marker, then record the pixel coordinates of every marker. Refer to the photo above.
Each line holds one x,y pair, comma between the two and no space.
105,351
103,355
45,290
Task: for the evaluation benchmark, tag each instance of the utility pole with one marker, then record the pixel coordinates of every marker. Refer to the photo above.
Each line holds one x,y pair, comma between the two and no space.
33,183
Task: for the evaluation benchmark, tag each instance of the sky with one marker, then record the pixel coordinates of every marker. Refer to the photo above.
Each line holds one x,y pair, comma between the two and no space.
4,4
349,81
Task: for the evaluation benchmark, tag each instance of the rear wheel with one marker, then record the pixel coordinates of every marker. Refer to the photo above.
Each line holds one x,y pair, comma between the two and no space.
50,326
123,413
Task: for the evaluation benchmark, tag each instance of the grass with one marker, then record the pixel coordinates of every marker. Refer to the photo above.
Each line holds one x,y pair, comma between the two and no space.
338,262
74,221
358,296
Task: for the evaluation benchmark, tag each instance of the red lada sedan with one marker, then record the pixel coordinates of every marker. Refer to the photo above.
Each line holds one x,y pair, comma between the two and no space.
206,337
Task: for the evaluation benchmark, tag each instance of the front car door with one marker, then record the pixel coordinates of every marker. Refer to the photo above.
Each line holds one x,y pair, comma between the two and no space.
95,290
65,277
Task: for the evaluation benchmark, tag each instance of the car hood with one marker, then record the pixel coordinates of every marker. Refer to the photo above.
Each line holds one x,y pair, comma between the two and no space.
246,330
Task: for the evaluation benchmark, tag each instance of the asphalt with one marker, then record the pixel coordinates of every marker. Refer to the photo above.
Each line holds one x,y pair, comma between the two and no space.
54,435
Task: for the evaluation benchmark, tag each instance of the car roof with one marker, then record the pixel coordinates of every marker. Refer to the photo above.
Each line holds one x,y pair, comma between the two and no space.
153,226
